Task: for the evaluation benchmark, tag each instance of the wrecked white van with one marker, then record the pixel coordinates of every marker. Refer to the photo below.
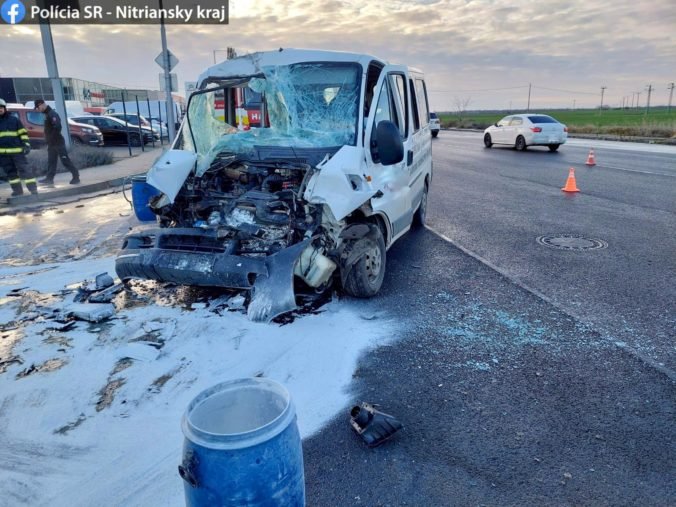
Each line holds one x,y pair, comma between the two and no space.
337,171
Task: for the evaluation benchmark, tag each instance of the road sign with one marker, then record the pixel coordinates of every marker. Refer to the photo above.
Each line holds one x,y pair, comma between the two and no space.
174,82
173,61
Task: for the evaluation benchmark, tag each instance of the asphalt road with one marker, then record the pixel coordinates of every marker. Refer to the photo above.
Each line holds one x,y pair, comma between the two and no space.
497,202
514,382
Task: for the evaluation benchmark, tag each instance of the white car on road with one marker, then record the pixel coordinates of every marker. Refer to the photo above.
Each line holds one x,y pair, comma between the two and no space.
523,130
435,125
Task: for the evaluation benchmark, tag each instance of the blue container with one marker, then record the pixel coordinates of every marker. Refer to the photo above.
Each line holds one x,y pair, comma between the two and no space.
242,447
141,192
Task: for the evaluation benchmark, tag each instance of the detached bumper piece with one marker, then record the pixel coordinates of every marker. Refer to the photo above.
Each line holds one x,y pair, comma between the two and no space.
186,257
196,257
373,426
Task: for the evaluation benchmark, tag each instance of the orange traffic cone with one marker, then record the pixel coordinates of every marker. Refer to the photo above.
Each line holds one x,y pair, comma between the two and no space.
571,186
590,159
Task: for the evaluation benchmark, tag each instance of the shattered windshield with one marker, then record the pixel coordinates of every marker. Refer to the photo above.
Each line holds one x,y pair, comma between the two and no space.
307,105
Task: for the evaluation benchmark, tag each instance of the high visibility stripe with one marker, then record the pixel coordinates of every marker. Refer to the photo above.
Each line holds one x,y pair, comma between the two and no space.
29,180
14,182
22,131
25,138
11,150
10,133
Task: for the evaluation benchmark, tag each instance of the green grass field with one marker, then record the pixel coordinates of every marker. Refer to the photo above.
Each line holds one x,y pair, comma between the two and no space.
657,123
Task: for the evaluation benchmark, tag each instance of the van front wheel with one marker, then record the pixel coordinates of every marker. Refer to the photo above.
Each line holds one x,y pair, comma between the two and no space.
368,272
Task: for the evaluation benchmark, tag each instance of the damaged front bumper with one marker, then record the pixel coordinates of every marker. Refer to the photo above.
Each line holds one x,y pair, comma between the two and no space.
192,256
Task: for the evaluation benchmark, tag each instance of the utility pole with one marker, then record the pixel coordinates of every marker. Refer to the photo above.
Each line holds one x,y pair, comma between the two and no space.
638,98
53,73
603,89
671,95
171,122
528,108
573,104
647,104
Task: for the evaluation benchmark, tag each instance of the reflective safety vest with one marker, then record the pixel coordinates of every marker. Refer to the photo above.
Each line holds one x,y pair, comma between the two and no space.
13,137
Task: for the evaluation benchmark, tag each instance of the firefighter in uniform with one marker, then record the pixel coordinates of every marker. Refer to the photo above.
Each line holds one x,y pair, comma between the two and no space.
14,147
56,145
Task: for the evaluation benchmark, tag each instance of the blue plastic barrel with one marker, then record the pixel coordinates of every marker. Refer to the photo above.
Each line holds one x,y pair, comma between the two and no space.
141,192
242,447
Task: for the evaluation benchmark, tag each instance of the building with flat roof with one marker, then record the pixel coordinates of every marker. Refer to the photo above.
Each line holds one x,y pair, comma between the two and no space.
89,93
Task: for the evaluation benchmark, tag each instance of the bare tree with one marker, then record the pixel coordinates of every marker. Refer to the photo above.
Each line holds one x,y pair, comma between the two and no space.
461,104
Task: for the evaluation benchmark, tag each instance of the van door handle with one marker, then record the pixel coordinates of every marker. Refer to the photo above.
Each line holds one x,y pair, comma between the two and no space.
409,157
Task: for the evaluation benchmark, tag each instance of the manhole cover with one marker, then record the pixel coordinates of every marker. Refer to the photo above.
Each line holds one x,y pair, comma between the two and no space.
571,242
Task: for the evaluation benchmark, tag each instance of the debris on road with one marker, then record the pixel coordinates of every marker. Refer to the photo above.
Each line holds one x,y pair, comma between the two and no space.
103,281
373,426
91,312
102,290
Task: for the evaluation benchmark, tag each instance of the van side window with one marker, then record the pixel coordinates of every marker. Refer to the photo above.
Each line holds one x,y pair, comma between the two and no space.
384,111
400,100
422,102
372,75
414,107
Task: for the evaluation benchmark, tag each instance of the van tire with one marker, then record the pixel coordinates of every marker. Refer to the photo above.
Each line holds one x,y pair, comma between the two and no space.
367,274
435,133
135,141
553,147
421,213
77,140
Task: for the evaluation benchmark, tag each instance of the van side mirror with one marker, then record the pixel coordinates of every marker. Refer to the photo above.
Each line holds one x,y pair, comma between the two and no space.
390,145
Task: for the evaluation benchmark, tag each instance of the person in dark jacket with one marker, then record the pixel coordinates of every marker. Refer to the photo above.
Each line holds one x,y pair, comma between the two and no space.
14,147
56,145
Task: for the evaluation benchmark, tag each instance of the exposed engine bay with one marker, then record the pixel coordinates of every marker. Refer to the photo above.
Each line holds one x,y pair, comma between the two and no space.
253,208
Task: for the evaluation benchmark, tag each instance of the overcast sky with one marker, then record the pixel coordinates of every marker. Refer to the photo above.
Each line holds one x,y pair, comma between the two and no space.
484,52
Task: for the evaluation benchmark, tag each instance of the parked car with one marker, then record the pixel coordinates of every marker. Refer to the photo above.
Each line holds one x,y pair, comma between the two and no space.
115,131
310,201
160,127
34,122
134,119
435,125
523,130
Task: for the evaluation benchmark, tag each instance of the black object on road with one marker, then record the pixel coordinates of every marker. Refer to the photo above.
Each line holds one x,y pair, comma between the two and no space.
373,426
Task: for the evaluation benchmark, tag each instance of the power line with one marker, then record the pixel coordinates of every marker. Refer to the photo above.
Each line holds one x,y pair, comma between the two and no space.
479,89
564,91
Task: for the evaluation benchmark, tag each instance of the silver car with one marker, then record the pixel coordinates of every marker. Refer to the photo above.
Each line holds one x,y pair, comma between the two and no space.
523,130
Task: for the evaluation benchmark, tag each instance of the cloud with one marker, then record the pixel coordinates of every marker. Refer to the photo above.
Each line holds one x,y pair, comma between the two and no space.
577,45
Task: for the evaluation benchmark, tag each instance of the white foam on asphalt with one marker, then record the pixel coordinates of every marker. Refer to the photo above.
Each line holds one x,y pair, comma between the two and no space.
56,448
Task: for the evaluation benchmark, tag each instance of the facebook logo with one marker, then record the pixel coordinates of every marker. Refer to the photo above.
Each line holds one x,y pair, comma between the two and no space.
13,11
